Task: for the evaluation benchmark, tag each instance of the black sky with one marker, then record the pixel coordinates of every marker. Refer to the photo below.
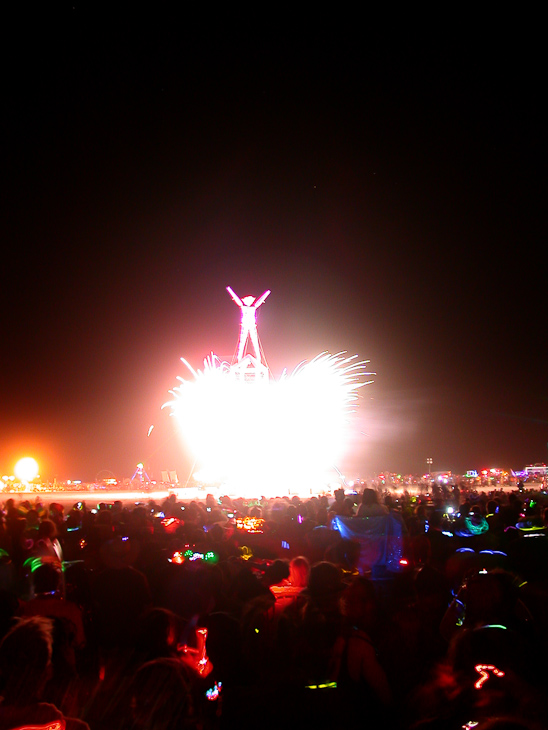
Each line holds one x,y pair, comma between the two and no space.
388,184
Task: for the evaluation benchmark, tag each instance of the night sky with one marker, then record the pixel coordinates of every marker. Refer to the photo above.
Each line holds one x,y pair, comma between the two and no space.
388,184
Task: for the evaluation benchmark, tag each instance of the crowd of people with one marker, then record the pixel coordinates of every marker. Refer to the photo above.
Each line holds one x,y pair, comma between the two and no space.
230,613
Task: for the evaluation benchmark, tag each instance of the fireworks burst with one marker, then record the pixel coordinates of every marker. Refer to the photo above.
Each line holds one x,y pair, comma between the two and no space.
269,436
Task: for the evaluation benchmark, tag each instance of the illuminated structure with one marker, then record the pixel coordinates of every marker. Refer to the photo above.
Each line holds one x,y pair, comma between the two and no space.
253,435
249,367
140,475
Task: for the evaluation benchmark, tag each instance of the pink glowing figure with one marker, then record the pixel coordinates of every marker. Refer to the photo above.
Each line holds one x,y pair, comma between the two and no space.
248,326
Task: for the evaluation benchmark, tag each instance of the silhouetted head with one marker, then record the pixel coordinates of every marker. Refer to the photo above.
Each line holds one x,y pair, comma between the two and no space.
25,658
299,571
370,496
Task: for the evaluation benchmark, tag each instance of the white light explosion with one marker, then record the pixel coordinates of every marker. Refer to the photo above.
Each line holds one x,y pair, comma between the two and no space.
268,437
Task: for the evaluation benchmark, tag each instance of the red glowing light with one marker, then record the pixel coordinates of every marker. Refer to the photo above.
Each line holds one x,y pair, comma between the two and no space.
250,524
170,524
483,670
54,725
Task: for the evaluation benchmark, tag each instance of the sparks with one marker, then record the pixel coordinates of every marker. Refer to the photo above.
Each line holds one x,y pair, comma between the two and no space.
254,432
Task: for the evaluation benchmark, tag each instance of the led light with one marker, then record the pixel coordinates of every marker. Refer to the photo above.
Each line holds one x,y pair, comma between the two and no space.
215,691
250,524
324,685
483,670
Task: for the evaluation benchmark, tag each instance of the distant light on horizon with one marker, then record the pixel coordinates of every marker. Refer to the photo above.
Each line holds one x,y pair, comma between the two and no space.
26,469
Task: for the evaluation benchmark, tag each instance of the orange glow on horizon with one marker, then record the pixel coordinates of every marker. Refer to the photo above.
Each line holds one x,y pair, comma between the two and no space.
45,452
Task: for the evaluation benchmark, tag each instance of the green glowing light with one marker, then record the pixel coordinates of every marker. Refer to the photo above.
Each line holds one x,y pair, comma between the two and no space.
32,564
476,529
